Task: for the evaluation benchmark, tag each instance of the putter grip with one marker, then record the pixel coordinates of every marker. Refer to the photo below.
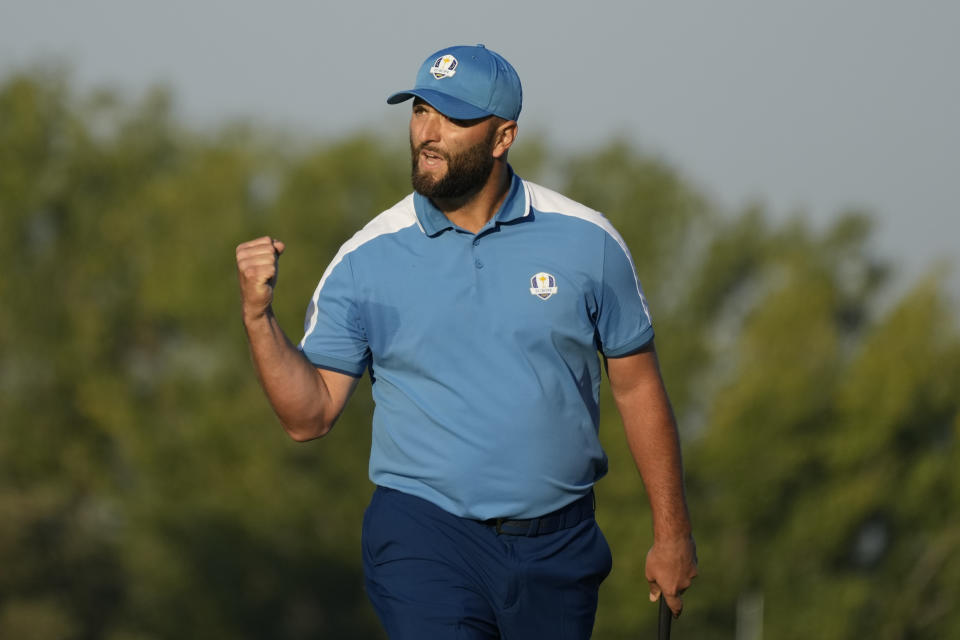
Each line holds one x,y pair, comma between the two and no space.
666,617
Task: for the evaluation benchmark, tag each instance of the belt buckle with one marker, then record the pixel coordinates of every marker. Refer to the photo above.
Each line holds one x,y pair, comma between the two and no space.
499,523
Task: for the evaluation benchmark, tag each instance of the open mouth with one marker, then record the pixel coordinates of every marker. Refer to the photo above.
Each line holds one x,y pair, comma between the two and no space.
430,158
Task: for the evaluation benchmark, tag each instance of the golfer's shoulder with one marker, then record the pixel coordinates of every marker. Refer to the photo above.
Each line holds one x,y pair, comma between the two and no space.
393,220
567,211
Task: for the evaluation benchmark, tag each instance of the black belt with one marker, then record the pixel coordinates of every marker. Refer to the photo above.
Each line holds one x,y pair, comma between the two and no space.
563,518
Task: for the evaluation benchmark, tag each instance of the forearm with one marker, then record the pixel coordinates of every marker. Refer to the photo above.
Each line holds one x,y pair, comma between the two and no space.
652,437
651,432
655,445
293,386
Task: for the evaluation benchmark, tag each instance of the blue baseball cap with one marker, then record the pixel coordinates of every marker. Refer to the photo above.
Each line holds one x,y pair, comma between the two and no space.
466,83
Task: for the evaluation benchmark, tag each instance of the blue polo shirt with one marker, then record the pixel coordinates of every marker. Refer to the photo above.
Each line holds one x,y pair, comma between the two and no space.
482,348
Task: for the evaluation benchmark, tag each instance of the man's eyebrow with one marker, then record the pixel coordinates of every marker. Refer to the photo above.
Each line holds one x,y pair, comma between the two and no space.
467,123
460,122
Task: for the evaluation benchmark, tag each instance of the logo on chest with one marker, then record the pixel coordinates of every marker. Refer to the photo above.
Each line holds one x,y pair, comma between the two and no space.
543,285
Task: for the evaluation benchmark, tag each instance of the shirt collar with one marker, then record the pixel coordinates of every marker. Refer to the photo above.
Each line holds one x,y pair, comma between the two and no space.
514,207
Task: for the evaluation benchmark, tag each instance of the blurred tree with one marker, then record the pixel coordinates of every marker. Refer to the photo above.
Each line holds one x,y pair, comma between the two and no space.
142,473
825,472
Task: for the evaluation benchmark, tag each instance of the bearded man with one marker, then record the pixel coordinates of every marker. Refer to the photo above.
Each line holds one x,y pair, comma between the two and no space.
481,305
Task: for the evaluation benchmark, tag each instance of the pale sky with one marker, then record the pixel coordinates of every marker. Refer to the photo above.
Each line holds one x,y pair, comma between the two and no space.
810,105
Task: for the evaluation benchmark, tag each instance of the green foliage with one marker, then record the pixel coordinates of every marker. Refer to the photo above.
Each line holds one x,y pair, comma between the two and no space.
147,492
142,473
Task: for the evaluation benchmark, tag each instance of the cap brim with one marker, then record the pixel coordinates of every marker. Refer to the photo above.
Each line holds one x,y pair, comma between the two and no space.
450,107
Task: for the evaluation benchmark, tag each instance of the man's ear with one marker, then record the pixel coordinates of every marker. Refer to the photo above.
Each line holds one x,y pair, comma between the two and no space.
503,138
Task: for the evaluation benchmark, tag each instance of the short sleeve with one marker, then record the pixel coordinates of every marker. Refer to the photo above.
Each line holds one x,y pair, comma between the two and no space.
623,318
334,336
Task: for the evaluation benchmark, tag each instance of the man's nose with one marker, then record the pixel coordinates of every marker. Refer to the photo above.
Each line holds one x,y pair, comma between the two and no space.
430,128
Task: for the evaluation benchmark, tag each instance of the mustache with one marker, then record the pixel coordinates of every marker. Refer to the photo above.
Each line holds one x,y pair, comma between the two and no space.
427,147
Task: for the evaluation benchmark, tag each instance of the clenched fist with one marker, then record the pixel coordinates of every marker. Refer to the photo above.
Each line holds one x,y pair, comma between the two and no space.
257,264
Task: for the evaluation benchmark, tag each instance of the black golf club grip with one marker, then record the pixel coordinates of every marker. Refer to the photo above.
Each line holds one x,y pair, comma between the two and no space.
666,617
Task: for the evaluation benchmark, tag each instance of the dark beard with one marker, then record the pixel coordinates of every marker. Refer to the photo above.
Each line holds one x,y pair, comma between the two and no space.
466,173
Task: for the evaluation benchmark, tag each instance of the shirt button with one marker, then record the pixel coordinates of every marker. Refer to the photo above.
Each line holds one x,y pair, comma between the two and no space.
478,264
476,241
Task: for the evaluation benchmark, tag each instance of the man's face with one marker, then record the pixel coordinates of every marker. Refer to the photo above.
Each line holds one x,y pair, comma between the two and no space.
449,158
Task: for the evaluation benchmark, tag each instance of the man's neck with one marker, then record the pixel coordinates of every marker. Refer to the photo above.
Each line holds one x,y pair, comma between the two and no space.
473,211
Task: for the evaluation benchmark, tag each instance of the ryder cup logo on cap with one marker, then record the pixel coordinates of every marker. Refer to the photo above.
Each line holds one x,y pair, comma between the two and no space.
444,67
467,82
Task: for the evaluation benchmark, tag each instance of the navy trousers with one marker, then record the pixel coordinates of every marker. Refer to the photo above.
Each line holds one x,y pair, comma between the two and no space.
430,574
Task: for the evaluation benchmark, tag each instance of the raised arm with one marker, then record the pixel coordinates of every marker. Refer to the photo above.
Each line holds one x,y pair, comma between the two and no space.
651,430
307,400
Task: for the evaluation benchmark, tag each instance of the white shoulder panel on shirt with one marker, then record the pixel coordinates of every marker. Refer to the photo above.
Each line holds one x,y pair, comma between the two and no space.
550,201
399,216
